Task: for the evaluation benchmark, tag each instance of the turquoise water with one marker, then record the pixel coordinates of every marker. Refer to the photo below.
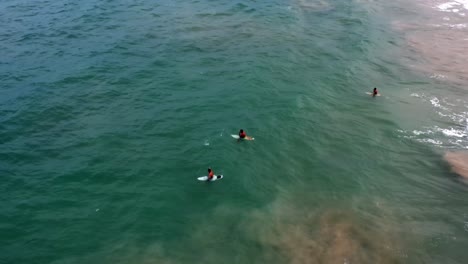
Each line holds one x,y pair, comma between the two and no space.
110,110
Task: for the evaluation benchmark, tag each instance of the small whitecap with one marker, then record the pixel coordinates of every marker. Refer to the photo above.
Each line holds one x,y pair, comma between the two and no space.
464,3
453,6
435,102
453,132
437,76
446,6
408,137
442,114
458,26
431,141
417,132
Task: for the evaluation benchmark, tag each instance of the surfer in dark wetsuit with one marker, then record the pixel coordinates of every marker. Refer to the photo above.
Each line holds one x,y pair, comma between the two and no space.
375,92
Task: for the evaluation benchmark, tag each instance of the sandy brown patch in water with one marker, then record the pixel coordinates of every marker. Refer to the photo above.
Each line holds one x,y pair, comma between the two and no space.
444,50
280,233
296,228
459,162
315,5
437,42
325,236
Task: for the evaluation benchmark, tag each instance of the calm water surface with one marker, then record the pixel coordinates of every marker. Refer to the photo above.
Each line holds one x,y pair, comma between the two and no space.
110,110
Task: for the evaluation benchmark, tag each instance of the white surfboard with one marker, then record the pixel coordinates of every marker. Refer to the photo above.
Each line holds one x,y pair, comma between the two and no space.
369,93
246,138
215,178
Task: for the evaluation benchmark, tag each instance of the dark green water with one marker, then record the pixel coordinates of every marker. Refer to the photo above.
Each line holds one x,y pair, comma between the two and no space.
110,110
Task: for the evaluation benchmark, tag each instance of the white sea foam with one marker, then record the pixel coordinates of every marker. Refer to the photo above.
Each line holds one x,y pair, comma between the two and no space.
437,76
435,102
458,26
446,107
453,6
417,132
454,132
431,141
458,118
443,115
447,6
446,137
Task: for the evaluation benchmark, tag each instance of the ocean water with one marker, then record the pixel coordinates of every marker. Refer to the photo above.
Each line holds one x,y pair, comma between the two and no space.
110,110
